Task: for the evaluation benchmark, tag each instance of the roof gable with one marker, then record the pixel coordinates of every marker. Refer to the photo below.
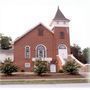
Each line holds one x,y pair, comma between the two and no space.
32,30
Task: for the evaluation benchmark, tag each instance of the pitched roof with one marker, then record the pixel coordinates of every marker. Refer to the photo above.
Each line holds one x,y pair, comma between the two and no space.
31,30
59,16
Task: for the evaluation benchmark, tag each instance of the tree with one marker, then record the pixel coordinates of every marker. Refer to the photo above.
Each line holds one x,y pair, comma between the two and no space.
76,51
71,67
5,42
0,37
8,67
40,67
86,54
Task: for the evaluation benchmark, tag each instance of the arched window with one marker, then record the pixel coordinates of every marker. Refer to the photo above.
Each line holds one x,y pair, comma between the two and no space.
41,51
62,46
27,52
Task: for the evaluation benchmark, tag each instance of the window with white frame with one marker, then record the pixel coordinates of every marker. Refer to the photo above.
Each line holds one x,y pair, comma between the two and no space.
41,51
27,52
62,51
62,46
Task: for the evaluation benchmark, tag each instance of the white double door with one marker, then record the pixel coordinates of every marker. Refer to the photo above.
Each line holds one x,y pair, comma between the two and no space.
62,53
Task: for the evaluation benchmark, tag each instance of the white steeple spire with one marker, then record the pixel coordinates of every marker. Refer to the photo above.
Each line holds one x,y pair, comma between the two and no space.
59,20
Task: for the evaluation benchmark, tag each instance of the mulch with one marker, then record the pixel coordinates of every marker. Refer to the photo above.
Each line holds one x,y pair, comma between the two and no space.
44,76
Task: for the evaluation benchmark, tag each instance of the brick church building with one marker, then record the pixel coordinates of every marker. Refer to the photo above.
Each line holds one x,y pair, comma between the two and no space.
41,42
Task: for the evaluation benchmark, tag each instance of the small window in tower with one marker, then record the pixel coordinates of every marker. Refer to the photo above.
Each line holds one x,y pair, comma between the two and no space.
40,32
62,35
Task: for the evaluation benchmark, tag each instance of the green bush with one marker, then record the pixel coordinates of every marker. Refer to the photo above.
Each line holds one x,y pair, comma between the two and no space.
40,67
71,67
8,67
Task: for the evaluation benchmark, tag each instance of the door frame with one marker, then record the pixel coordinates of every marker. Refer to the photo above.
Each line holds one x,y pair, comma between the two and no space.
62,47
52,67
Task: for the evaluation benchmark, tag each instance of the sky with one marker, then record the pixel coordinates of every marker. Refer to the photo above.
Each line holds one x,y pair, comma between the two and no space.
19,16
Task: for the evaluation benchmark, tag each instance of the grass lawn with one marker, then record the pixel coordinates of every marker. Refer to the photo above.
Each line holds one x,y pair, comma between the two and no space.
49,78
46,81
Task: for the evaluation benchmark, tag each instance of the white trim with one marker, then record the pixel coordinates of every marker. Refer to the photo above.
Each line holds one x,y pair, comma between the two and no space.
37,47
41,45
52,68
64,52
59,23
25,51
71,55
49,59
63,45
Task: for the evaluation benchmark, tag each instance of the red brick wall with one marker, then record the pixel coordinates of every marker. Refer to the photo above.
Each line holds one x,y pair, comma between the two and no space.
32,39
58,40
49,39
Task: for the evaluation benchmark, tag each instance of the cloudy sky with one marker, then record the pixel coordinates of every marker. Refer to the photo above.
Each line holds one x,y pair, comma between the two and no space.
18,16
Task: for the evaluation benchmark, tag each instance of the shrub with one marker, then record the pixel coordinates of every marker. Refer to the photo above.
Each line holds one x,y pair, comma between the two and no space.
71,67
8,67
40,67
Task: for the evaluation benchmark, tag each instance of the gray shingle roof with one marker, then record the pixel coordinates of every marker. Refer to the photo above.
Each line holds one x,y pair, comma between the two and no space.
59,16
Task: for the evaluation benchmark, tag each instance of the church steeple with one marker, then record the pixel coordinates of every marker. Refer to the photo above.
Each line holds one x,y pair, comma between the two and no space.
59,15
59,19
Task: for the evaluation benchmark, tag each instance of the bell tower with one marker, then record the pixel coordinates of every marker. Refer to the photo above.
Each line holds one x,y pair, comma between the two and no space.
60,29
60,20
